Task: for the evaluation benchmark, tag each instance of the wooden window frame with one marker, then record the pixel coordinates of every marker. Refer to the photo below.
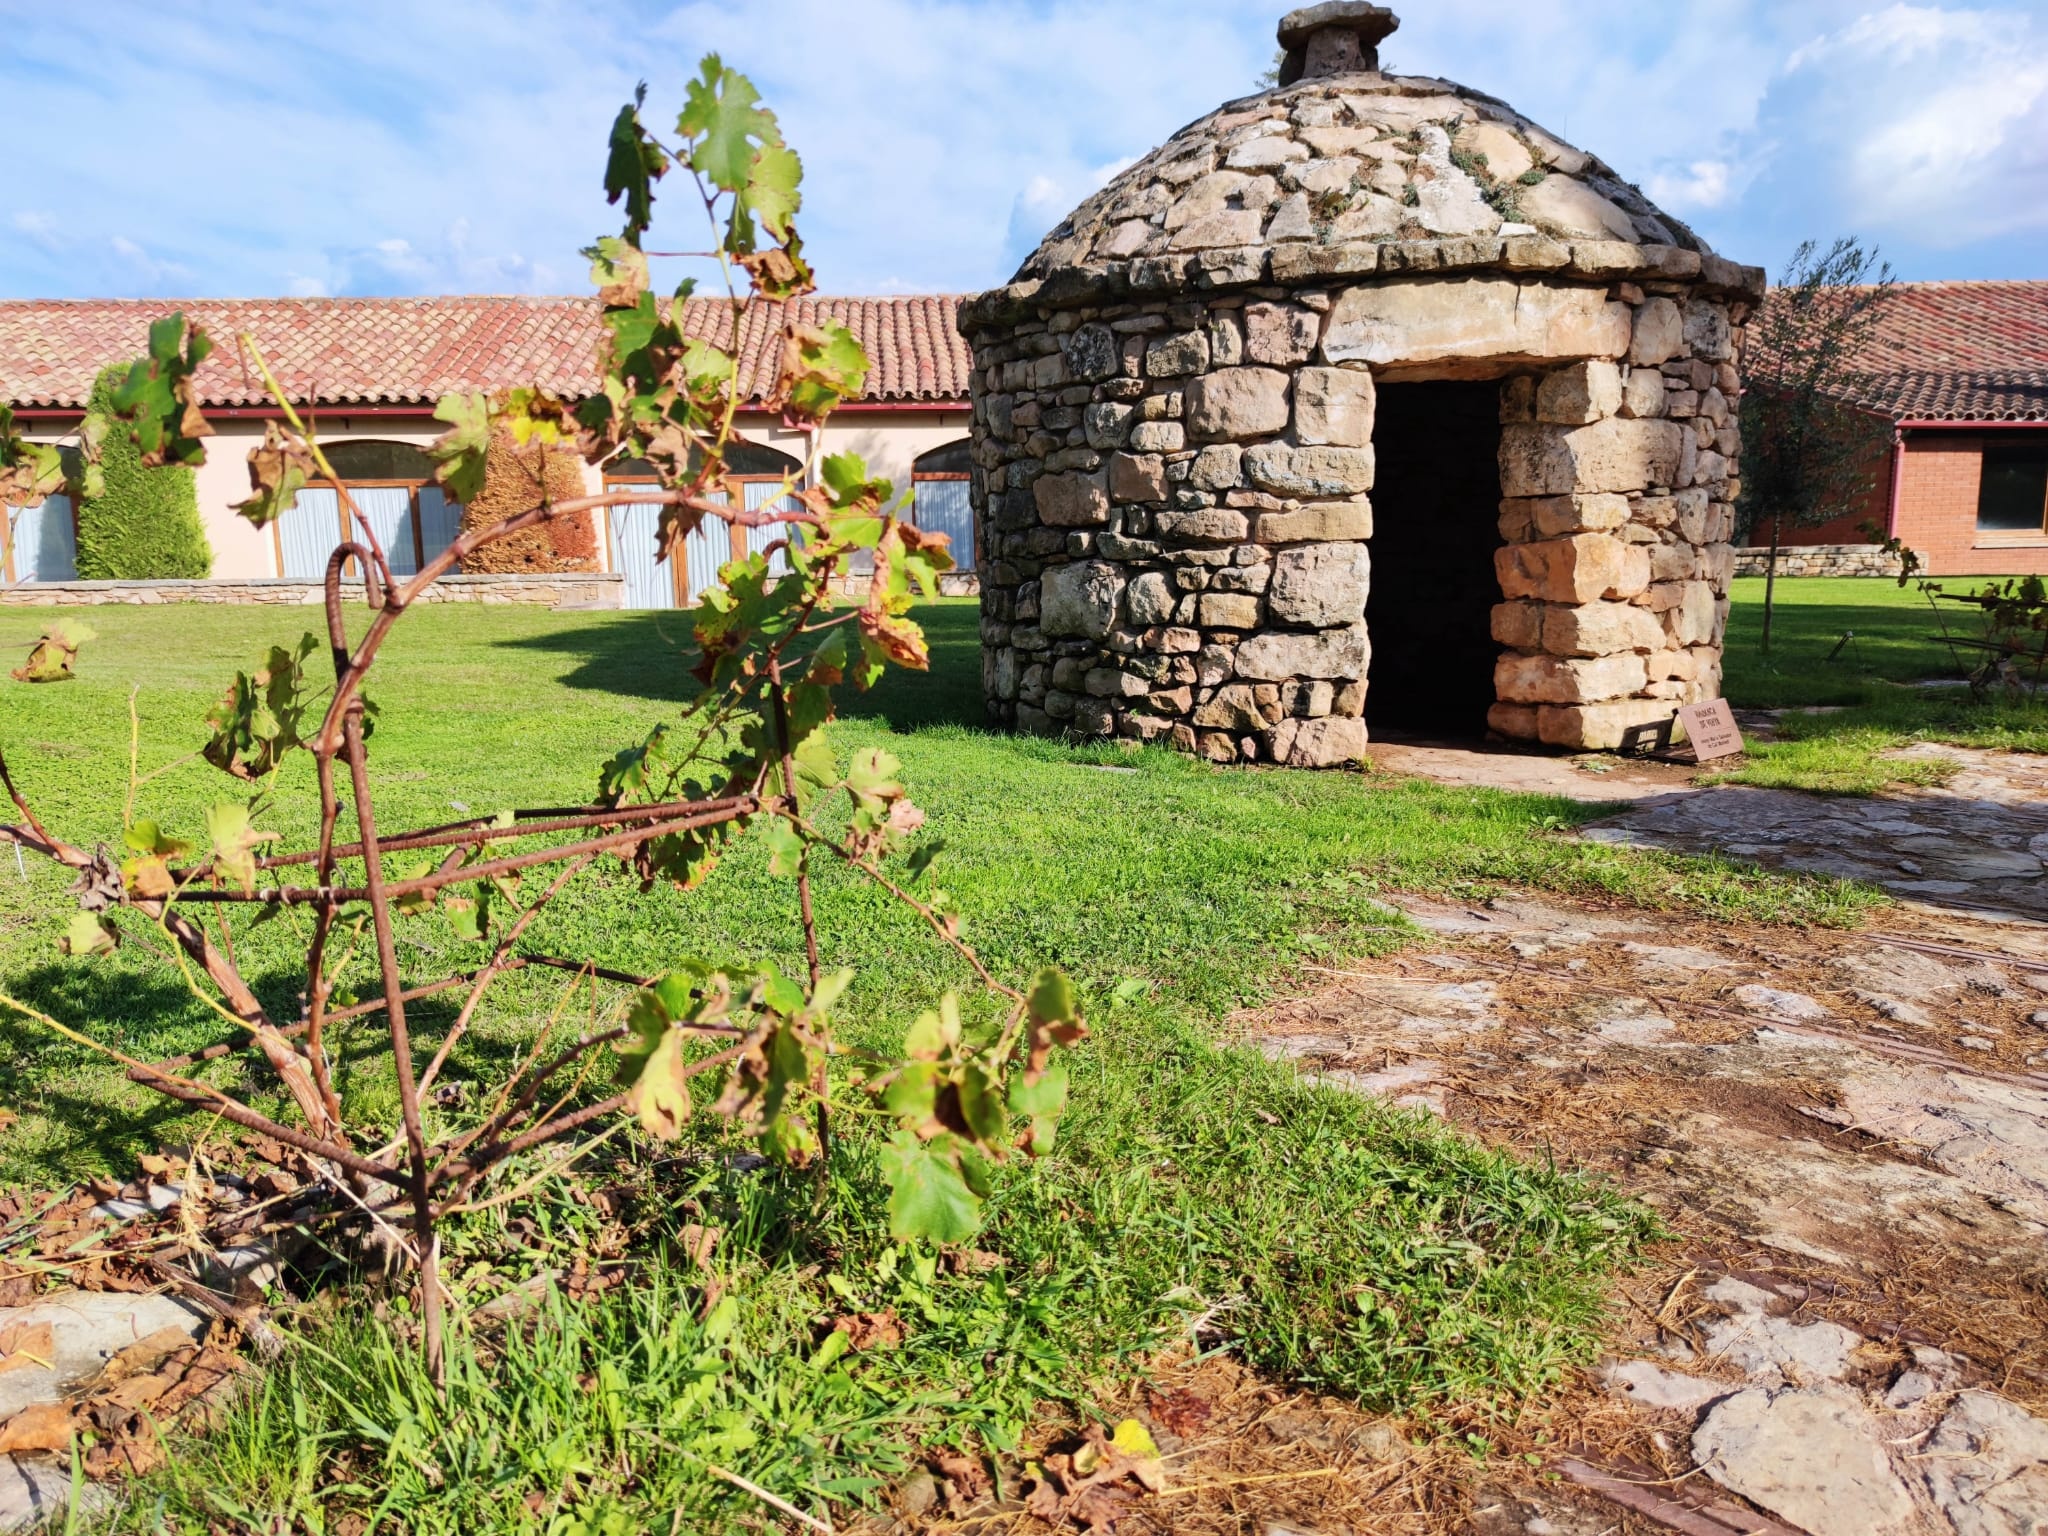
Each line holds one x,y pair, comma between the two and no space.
679,570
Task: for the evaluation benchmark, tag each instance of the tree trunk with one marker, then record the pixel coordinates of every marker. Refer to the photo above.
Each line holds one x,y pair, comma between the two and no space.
1771,579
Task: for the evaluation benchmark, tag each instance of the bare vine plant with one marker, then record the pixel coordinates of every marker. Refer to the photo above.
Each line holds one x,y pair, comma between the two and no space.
749,754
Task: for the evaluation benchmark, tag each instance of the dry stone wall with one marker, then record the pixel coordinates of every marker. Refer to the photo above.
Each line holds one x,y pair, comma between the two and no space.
1618,477
1175,497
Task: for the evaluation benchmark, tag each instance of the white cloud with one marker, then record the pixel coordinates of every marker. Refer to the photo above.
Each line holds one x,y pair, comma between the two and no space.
39,225
1700,184
941,138
1930,124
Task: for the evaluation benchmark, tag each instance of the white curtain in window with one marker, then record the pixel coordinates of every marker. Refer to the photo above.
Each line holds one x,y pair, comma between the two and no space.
308,533
440,520
706,550
761,494
648,584
388,511
42,547
942,506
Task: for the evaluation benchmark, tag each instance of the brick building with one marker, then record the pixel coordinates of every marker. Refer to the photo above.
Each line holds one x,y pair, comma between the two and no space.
1961,370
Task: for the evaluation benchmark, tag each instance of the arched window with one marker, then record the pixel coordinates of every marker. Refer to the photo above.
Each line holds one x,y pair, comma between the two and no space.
392,486
939,482
761,472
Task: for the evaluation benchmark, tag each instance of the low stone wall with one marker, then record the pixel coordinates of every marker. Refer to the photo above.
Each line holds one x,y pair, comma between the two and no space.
600,589
1820,560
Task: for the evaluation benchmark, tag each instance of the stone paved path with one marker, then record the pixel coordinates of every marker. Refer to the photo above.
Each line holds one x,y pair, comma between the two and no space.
1979,844
1847,1132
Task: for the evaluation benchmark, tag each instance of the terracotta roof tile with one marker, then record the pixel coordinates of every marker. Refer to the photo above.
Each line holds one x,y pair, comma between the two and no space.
1975,351
407,351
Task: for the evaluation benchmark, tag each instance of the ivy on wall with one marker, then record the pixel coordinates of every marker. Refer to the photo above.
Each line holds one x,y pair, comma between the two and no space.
144,523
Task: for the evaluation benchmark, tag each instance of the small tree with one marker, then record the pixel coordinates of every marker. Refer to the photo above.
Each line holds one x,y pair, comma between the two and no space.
141,522
1809,440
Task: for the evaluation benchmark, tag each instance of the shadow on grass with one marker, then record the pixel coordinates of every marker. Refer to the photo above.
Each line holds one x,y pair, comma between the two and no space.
649,655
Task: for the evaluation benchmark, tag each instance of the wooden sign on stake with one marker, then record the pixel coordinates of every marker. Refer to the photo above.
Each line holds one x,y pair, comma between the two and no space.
1711,729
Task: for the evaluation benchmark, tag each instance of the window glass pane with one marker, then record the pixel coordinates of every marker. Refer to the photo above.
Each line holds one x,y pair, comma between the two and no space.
378,461
308,533
952,459
943,506
388,511
2012,497
440,520
42,548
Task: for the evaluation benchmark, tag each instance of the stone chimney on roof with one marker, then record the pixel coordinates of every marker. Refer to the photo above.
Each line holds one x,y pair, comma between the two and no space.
1338,37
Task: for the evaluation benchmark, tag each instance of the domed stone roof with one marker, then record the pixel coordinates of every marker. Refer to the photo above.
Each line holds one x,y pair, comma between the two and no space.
1347,155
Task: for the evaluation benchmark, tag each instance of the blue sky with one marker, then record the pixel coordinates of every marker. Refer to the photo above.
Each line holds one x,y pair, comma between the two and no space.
245,147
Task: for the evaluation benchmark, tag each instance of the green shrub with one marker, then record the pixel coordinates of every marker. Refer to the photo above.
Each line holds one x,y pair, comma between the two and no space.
145,524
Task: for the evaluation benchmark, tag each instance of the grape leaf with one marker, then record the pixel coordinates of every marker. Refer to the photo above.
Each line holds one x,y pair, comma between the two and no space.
158,399
928,1195
89,933
278,471
724,122
458,453
635,164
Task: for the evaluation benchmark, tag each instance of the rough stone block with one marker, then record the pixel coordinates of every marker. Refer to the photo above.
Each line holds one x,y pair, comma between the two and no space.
1321,521
1519,625
1578,569
1158,437
1213,525
1169,357
1319,743
1219,467
1333,405
1692,620
1149,600
1114,683
1566,679
1594,727
1228,610
1094,352
1279,335
1137,477
1610,455
1600,629
1554,516
1499,319
1517,722
1581,393
1234,708
1107,423
1079,600
1642,394
1320,585
1286,470
1071,500
1277,656
1237,403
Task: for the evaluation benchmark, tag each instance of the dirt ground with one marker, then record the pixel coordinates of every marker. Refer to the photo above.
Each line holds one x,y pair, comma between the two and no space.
1846,1132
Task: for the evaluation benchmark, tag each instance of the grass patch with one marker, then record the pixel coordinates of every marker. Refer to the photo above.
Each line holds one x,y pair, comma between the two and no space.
1869,712
1332,1240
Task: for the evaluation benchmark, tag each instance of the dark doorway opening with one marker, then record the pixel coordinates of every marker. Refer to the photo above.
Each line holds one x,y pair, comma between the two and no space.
1436,510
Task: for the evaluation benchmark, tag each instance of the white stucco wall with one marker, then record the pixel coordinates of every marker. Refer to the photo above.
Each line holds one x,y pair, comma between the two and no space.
889,440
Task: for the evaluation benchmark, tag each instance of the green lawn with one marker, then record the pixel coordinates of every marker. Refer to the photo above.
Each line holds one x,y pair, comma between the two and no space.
1895,640
1335,1241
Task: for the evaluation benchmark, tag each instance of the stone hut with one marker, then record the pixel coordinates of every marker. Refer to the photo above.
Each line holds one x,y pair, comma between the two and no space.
1363,399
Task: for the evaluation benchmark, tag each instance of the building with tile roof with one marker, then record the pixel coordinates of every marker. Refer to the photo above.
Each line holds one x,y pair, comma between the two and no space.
372,369
1961,371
